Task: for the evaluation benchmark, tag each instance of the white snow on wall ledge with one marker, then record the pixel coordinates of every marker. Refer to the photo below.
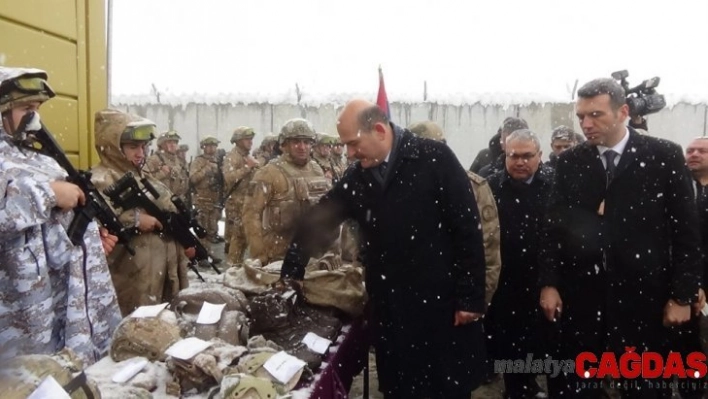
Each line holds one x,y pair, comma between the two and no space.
337,99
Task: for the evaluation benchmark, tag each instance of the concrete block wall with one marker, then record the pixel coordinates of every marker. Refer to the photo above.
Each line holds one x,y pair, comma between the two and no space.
468,128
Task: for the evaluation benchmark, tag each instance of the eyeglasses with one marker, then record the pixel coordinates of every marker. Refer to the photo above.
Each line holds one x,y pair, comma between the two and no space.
527,156
138,133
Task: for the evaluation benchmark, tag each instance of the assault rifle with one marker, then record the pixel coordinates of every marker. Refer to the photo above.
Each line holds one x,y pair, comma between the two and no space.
127,194
220,154
39,139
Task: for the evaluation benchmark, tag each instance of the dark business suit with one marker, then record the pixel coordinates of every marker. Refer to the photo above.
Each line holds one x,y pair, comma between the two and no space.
616,271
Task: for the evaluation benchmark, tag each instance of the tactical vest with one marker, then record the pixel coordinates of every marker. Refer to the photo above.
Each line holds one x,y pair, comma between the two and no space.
305,188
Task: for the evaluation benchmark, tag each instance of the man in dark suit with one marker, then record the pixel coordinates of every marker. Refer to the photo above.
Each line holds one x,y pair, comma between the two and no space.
422,248
620,259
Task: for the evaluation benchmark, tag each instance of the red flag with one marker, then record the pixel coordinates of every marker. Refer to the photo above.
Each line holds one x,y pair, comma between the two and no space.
382,98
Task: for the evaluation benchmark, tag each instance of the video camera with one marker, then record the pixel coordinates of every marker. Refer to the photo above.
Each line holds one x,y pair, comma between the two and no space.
642,99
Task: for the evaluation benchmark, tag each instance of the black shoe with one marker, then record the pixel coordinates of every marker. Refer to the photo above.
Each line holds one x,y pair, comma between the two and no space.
216,260
219,238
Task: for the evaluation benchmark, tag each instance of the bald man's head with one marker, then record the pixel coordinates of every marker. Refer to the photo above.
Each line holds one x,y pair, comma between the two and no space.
364,128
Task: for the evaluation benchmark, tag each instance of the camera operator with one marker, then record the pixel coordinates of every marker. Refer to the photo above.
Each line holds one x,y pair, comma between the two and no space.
642,99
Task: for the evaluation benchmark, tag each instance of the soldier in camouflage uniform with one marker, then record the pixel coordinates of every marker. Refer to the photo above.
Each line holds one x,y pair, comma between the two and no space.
281,191
159,268
487,211
204,174
322,152
266,151
338,159
238,169
182,152
167,166
52,294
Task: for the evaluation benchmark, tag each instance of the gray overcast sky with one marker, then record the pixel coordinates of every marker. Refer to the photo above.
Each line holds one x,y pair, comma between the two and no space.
498,50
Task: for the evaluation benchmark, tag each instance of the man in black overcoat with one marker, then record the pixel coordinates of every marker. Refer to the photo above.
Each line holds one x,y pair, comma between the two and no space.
423,252
620,260
514,324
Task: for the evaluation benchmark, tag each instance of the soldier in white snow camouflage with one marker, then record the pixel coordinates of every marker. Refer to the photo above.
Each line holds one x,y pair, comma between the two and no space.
52,294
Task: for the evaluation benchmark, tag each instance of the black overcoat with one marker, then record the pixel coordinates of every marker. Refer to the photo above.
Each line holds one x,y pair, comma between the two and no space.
514,321
424,259
617,267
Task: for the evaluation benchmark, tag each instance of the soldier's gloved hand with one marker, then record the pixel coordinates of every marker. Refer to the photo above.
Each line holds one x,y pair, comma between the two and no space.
68,195
108,240
148,223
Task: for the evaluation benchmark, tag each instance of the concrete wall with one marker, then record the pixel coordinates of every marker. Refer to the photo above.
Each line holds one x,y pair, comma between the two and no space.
467,127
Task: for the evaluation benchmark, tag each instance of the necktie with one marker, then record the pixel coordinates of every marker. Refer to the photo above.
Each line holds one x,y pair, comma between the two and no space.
382,170
610,167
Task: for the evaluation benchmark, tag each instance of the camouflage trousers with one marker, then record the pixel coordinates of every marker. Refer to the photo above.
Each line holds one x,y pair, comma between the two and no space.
231,215
238,243
153,275
208,216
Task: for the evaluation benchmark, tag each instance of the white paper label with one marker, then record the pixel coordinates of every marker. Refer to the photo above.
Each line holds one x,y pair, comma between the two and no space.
316,343
49,389
704,311
148,311
130,369
210,313
187,348
283,366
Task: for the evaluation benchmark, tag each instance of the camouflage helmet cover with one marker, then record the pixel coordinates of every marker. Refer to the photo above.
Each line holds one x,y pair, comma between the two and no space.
242,132
428,130
183,147
297,128
269,138
209,140
171,135
327,139
23,85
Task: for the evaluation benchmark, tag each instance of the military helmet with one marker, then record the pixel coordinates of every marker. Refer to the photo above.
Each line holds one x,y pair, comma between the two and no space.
138,131
23,85
327,139
168,136
183,148
428,130
242,132
209,140
269,138
297,128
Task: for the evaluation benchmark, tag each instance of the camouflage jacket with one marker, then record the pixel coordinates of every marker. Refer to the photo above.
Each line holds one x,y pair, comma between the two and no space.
158,269
177,179
325,164
52,294
490,229
204,176
340,165
278,194
237,176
